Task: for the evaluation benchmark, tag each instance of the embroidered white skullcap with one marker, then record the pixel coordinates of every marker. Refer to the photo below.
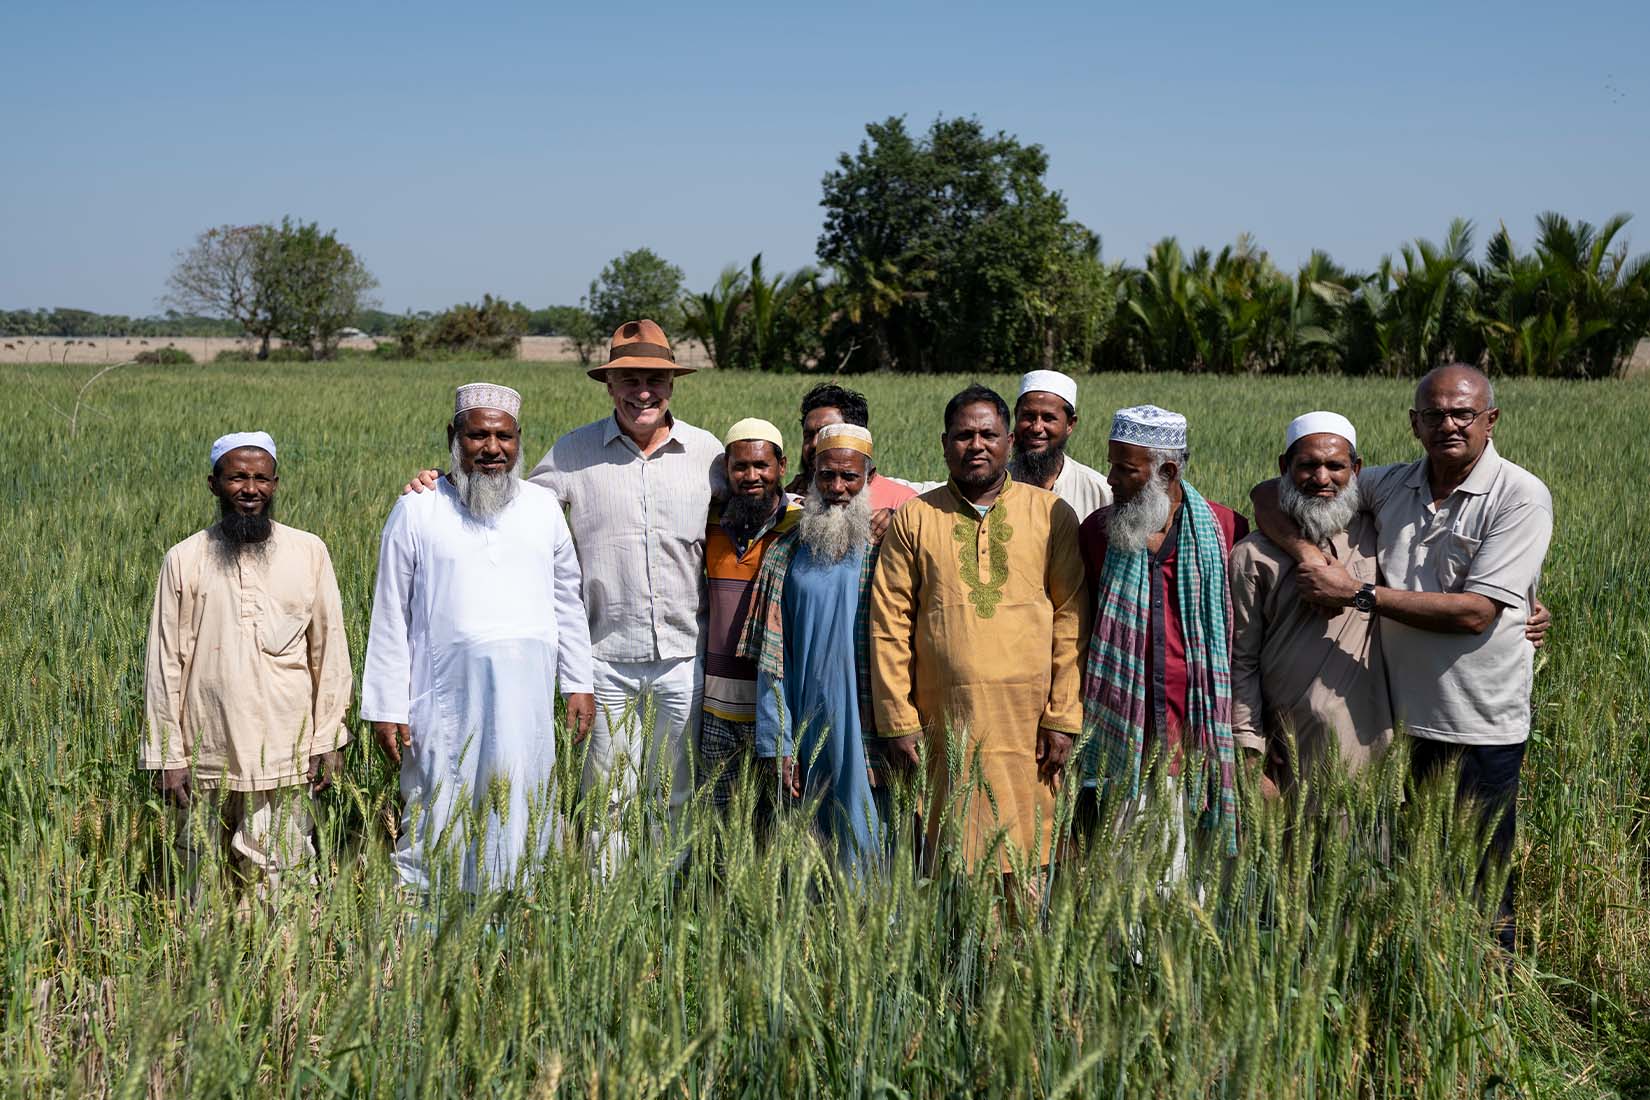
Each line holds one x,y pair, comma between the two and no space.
1150,426
1319,423
226,443
754,427
1060,385
487,395
843,437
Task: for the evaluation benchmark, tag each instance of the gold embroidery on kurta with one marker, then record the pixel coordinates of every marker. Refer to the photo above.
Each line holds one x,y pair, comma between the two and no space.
984,595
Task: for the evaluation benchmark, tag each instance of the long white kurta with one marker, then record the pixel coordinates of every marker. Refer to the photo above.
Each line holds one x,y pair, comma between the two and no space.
472,625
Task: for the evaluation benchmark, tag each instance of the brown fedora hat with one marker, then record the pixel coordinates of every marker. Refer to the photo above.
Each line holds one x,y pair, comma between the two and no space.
639,344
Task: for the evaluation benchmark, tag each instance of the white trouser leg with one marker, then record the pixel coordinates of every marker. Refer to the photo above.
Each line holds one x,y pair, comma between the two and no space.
647,721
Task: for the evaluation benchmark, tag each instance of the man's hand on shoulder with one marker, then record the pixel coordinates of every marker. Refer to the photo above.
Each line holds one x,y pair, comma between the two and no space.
425,480
880,519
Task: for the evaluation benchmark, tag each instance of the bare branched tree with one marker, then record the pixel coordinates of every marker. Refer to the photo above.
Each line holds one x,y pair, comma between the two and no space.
219,276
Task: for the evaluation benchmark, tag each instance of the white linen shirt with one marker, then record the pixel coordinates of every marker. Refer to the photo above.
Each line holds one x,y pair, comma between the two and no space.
1489,536
639,524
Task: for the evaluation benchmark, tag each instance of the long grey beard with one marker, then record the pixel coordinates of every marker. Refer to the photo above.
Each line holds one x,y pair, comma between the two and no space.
833,533
1132,525
1036,467
1320,519
485,495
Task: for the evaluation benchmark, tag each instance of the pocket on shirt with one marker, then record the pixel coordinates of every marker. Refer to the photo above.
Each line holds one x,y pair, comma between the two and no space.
279,632
1459,551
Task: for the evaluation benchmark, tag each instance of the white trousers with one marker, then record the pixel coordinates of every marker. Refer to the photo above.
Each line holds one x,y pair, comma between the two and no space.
646,729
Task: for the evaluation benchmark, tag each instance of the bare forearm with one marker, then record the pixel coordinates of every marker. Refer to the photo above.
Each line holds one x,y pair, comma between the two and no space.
1277,525
1440,612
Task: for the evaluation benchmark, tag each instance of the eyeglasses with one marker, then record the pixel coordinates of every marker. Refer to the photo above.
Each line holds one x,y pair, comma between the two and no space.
1434,418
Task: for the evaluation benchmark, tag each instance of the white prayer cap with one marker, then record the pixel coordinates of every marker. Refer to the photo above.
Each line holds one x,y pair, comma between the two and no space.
226,443
754,427
1150,426
843,437
487,395
1060,385
1318,423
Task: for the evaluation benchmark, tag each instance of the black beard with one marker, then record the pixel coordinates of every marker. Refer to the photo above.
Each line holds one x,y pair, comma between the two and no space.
238,530
744,515
1037,467
980,484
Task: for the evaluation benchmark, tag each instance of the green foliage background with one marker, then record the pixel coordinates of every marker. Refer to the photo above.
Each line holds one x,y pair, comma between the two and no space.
1318,971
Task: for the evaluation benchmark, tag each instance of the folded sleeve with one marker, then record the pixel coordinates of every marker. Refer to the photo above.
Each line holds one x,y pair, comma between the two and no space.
1507,564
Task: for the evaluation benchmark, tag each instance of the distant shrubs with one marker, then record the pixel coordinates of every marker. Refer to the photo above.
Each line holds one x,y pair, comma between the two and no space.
164,357
491,330
276,355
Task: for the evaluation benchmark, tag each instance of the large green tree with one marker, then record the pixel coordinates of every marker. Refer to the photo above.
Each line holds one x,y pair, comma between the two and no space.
639,284
316,284
950,253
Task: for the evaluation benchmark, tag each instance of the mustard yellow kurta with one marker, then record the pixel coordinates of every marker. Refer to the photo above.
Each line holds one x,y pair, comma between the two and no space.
977,627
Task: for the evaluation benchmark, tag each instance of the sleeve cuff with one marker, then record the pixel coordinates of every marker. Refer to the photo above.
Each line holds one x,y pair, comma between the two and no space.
1495,592
578,689
1248,741
889,735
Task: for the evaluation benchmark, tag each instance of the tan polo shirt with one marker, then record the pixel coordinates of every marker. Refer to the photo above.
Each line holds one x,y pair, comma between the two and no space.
1490,536
1300,671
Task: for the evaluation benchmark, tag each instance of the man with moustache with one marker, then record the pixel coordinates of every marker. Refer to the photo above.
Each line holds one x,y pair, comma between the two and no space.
1045,415
1461,535
756,515
476,617
1308,686
247,678
808,634
637,487
1158,679
978,613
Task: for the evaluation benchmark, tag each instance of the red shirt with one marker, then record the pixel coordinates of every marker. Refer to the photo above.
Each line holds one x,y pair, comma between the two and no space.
1166,687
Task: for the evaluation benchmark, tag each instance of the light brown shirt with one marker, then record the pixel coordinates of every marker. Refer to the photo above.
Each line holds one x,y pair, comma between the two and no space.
1299,671
248,671
1489,536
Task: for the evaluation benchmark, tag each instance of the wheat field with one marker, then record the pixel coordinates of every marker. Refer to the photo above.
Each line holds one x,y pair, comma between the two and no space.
1309,967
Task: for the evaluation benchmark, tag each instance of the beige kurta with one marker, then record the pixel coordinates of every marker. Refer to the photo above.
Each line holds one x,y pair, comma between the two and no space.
977,629
1296,668
248,672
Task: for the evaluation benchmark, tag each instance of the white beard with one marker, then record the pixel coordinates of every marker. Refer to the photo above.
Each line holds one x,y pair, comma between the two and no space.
485,495
1132,525
834,532
1320,519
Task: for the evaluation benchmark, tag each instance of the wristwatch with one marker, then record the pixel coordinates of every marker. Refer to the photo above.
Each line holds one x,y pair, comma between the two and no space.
1365,599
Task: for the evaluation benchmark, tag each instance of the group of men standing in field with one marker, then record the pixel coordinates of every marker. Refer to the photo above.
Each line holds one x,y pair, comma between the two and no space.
708,624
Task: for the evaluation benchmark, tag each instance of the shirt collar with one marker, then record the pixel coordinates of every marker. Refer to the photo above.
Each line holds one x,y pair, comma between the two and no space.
612,431
1480,481
967,506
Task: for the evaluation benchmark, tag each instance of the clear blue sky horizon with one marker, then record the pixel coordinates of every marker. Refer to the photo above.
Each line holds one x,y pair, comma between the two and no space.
514,149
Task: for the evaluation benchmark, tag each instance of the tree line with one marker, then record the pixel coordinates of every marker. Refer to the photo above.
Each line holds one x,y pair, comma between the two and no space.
947,251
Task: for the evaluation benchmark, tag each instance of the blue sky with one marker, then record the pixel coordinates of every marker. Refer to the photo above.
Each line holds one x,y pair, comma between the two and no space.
514,149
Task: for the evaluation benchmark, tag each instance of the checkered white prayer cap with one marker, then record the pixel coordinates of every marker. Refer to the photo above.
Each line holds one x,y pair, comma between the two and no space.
236,440
1150,426
487,395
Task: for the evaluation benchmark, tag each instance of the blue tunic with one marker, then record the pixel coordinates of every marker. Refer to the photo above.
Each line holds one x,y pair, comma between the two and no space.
814,715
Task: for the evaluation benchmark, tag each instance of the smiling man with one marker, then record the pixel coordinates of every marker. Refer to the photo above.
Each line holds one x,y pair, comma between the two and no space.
756,514
978,613
1308,686
476,616
1045,415
247,677
1461,535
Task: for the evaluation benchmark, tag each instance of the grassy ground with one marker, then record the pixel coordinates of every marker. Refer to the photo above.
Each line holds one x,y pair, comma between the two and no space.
1309,968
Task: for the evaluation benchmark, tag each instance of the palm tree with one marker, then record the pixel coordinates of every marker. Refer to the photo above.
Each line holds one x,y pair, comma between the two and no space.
712,318
1430,298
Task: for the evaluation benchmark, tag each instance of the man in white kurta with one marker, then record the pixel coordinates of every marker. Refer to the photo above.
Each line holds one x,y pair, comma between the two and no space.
476,616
